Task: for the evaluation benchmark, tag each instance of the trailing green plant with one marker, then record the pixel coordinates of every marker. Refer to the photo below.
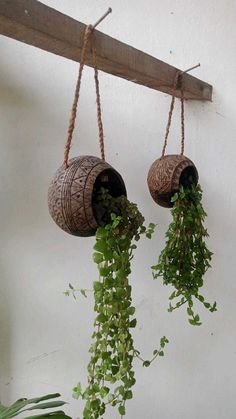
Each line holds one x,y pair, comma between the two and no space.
39,403
74,291
110,370
185,258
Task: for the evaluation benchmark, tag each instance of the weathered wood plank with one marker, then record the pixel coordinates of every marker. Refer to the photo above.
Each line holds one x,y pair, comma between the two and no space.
36,24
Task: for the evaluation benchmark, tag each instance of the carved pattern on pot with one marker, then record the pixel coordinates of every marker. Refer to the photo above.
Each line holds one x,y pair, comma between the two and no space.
165,176
71,192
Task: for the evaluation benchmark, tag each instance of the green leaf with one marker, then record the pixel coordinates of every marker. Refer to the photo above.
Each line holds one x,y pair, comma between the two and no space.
19,405
170,308
100,246
104,271
163,341
101,318
43,398
83,292
95,404
172,296
190,303
105,355
101,233
146,363
121,410
97,286
77,391
104,391
47,405
190,311
128,395
2,408
194,322
174,198
97,258
114,369
213,308
55,415
131,311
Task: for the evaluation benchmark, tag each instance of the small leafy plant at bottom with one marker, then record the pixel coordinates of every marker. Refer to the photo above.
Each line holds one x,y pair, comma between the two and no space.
185,258
110,370
30,405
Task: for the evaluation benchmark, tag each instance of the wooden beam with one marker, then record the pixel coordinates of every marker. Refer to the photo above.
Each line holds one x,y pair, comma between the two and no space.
36,24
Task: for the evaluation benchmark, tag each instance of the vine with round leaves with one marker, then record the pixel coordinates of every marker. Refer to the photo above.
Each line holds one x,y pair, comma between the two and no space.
186,258
110,370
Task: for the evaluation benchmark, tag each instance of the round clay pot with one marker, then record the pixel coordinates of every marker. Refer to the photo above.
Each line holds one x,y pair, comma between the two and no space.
71,193
166,175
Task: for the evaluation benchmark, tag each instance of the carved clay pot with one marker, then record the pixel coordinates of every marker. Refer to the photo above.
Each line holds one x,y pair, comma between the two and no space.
165,176
71,193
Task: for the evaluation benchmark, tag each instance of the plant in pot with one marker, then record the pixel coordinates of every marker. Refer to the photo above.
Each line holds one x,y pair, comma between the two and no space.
173,183
30,405
110,370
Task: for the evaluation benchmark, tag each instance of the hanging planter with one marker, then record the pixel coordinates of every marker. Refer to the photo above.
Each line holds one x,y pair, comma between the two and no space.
169,172
173,182
73,190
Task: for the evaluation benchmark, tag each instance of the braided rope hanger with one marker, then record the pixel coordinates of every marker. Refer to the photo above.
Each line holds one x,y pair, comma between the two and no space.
177,80
87,33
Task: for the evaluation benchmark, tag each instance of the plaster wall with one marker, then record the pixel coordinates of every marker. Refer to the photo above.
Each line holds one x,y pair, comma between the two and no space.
44,336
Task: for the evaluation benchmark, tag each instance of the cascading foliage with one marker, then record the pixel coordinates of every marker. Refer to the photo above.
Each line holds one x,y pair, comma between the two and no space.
186,258
110,370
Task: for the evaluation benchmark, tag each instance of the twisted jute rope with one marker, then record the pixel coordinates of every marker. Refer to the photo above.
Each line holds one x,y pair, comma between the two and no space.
98,101
177,81
87,33
182,116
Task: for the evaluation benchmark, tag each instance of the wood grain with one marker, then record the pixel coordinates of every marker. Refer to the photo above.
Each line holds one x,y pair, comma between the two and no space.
36,24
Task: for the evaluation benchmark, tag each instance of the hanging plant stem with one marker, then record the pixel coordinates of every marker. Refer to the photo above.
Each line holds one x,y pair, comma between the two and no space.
110,370
186,258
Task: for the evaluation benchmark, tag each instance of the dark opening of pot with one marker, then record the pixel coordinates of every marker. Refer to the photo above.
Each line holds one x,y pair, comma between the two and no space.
110,180
188,176
164,200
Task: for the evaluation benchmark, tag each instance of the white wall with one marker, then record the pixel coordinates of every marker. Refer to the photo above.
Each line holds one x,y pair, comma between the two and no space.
45,336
